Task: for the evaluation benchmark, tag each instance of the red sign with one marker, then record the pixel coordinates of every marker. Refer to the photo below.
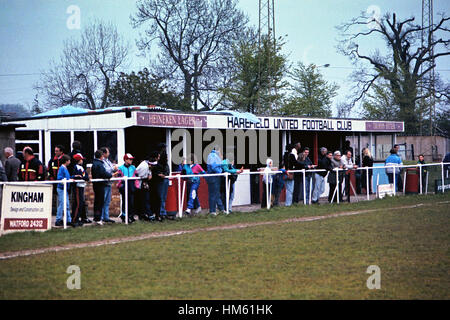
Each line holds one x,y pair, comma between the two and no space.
25,224
171,120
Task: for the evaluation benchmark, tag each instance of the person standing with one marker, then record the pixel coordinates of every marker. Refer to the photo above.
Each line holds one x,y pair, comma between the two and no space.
319,177
78,199
227,166
31,168
293,159
52,172
395,161
63,173
267,179
193,184
304,162
333,176
12,165
163,187
113,170
155,185
127,170
446,159
367,161
99,172
142,195
55,163
289,177
424,173
214,165
349,165
76,149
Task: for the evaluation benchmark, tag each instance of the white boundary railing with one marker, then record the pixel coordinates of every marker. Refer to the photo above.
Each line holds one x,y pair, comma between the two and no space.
268,186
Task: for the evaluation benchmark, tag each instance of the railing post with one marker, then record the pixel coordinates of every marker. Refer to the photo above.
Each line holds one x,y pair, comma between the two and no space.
420,177
65,203
227,193
267,190
310,190
426,184
304,186
126,199
442,173
337,185
180,205
394,174
404,181
367,183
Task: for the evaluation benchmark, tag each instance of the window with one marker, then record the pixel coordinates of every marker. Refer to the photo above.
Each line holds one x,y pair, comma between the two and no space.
60,138
87,144
108,139
27,135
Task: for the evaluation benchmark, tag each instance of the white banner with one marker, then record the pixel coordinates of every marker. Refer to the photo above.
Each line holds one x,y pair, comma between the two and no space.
26,207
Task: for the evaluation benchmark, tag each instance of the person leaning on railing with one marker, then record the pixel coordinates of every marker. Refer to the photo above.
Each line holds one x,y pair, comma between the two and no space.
63,173
349,165
334,175
394,162
424,173
367,161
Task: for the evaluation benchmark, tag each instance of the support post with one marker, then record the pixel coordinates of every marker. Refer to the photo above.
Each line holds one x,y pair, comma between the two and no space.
304,186
420,178
126,199
367,183
65,203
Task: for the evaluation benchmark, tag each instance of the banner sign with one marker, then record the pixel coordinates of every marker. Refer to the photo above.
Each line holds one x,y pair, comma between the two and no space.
26,207
215,121
385,189
171,120
438,185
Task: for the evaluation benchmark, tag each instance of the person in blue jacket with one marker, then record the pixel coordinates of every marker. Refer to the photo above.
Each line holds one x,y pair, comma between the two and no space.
63,173
227,166
214,165
395,161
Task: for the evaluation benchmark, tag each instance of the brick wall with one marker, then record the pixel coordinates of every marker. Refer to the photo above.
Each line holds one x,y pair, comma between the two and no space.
114,207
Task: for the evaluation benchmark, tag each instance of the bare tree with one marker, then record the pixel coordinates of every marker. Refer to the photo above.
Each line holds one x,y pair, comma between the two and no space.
194,38
406,64
86,68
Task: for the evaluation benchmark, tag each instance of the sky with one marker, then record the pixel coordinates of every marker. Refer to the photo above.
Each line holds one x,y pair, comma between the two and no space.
32,33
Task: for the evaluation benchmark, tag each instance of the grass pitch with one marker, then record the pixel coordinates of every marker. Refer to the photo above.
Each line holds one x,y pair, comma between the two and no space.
324,259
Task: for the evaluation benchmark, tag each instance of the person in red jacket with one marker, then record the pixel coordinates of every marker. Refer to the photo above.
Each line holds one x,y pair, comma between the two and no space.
55,163
31,168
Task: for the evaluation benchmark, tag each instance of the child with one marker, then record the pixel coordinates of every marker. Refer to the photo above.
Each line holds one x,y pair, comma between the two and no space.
78,204
127,170
424,173
192,184
63,173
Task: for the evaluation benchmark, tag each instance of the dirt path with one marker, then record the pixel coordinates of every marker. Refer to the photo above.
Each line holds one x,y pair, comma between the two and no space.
23,253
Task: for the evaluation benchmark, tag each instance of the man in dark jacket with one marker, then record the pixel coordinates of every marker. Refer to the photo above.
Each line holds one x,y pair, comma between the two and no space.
294,165
12,165
155,183
333,176
31,168
99,172
76,149
304,162
55,163
165,170
319,177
